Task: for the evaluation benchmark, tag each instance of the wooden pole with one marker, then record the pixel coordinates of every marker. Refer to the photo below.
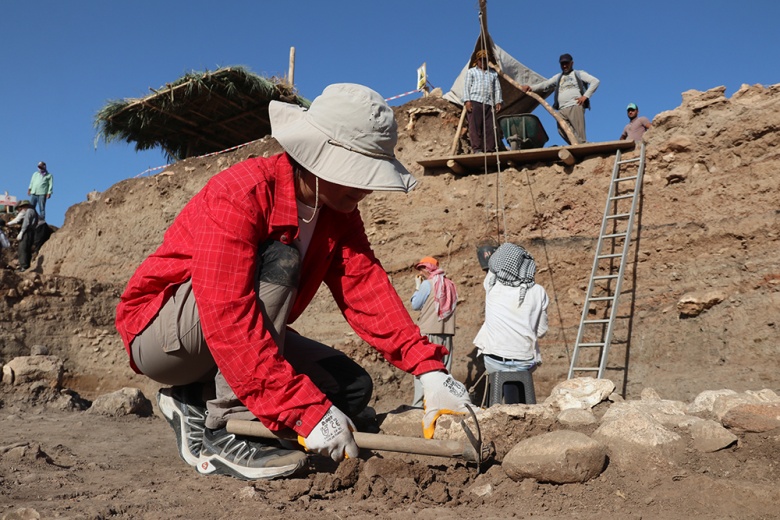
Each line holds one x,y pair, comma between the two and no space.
454,148
566,127
377,441
483,18
292,67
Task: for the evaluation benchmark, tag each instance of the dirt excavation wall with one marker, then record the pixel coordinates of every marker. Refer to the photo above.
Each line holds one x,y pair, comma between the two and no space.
707,222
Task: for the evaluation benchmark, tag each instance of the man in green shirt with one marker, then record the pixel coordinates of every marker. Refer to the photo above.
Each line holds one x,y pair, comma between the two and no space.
40,189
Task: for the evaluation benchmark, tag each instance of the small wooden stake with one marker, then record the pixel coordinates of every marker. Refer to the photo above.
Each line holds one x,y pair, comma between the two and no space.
292,66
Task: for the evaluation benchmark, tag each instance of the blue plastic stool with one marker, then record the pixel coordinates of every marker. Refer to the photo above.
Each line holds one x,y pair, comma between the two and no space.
511,388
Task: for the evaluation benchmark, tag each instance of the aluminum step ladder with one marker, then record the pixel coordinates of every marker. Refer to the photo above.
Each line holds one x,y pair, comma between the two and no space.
594,336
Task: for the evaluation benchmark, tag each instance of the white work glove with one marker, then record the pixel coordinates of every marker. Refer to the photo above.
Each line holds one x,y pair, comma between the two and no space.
442,395
19,236
418,281
332,437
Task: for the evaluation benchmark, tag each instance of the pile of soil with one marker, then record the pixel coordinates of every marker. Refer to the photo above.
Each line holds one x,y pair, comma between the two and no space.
707,222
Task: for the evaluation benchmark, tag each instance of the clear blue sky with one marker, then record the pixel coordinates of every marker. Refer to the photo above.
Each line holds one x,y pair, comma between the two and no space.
63,60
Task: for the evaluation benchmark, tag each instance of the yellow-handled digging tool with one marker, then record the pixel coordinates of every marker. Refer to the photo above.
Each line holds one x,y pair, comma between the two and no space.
471,449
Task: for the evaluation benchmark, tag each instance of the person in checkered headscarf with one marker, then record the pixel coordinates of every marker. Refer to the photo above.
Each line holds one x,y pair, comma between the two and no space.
515,312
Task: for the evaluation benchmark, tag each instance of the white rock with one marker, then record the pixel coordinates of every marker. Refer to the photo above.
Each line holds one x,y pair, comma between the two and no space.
582,392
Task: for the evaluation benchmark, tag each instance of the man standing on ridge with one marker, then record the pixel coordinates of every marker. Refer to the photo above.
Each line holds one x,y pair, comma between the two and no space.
41,186
573,90
637,126
481,94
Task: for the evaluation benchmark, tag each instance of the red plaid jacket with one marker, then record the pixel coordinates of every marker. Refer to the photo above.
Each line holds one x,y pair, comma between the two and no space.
214,242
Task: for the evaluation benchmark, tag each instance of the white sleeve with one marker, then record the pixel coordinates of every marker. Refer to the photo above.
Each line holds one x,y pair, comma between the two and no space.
592,81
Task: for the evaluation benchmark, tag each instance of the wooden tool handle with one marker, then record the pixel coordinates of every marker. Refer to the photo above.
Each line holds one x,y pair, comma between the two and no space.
375,441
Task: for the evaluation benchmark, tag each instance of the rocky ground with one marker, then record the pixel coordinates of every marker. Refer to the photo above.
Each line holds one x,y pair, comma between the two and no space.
707,240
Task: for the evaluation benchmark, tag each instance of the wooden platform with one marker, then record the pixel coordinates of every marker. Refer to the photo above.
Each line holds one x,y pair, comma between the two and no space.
464,164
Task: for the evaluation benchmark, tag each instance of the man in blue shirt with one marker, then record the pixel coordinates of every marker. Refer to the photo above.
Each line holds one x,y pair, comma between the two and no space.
482,93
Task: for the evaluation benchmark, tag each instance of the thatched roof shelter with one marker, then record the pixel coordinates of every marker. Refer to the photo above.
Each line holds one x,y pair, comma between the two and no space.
201,112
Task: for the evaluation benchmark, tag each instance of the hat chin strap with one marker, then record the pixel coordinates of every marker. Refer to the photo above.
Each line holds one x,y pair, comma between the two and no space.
316,196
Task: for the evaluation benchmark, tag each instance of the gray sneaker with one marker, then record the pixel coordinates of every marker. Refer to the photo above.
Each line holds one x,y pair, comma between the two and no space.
226,453
185,411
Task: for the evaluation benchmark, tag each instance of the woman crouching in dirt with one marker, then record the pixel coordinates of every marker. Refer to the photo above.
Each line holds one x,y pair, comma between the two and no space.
207,313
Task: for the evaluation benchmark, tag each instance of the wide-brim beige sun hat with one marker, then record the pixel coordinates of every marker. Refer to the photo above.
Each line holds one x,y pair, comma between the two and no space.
346,137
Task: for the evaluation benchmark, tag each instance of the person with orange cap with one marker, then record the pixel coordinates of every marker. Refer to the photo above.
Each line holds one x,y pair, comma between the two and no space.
436,298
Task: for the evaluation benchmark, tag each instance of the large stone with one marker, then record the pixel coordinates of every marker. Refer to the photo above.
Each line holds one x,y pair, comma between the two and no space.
709,436
29,369
633,436
22,513
127,401
560,457
678,143
704,402
722,405
575,417
629,423
693,304
754,417
666,412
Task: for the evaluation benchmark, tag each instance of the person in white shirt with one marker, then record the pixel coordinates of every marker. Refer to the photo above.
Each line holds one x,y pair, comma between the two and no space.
515,312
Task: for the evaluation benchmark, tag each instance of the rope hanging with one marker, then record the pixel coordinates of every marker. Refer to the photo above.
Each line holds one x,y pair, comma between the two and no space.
483,44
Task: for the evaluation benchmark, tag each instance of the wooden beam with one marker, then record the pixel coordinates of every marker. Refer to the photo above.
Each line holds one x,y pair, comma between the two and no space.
566,127
566,156
454,148
475,162
197,132
253,113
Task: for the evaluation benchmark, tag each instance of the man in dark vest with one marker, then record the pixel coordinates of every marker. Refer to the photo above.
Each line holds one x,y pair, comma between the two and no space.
573,90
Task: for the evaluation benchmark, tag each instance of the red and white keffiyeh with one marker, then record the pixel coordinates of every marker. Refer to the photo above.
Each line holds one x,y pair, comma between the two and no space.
444,292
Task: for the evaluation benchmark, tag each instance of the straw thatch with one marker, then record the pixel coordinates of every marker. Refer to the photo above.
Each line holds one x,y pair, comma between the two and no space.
201,112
